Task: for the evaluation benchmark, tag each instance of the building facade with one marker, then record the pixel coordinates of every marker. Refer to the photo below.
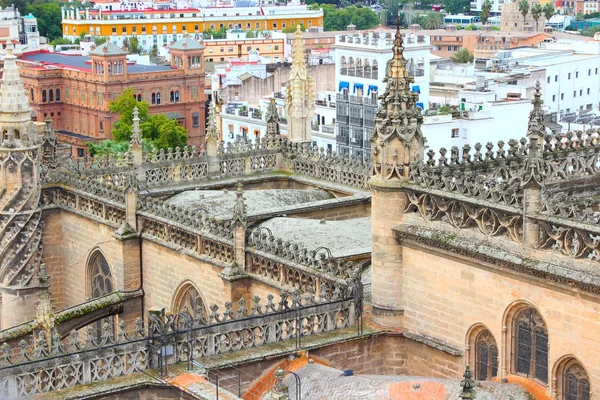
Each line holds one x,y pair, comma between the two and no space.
159,27
75,91
361,61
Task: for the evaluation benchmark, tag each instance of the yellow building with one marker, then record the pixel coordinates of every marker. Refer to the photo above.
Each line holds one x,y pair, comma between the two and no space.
160,27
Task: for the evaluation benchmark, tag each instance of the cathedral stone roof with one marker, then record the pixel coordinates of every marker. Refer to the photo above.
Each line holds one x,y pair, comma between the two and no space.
343,238
219,203
107,48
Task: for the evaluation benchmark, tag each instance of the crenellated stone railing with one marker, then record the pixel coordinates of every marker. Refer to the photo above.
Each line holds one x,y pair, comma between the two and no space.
46,363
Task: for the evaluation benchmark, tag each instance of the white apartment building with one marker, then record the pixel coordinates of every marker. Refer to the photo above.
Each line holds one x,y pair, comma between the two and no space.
23,29
361,59
482,119
496,6
239,121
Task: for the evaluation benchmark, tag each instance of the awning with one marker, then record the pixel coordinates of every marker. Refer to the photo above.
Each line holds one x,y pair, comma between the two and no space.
344,85
417,89
358,86
420,105
372,88
174,115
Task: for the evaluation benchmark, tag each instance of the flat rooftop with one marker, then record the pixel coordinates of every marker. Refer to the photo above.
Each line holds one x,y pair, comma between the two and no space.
79,62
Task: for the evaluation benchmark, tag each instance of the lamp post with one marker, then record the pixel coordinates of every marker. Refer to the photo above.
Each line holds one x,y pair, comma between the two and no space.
280,391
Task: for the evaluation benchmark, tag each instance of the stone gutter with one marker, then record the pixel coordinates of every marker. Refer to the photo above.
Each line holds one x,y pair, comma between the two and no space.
68,314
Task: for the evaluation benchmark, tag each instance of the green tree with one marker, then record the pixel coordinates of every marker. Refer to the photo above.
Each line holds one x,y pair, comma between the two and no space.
579,17
20,5
432,21
392,11
549,11
524,10
124,105
49,19
133,45
107,147
486,9
170,133
462,56
471,27
536,13
221,33
590,31
60,40
99,40
457,6
292,29
250,35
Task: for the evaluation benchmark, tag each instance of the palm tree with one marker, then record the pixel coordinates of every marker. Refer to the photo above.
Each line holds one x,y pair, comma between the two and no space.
432,21
524,10
548,11
486,8
536,13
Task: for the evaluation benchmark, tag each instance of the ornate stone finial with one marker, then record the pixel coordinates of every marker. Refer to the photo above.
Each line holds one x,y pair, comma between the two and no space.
535,127
272,119
240,217
49,145
300,95
211,130
280,390
136,136
467,384
397,140
44,311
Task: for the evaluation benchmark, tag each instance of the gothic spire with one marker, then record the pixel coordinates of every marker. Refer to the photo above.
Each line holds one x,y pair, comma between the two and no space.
535,127
397,140
272,119
15,112
300,95
298,63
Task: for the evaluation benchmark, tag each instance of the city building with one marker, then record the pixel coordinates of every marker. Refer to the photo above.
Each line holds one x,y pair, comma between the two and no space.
586,6
75,91
360,71
270,270
496,6
22,30
157,26
512,19
236,45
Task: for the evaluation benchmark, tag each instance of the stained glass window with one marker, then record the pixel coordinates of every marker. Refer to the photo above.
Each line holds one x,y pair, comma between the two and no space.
531,345
486,353
576,385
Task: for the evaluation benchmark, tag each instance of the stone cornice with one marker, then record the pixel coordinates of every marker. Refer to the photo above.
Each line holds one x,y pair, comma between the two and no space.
483,255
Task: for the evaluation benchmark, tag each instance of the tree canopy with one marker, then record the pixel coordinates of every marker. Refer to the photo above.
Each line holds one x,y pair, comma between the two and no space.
338,20
462,56
49,18
486,9
524,10
457,6
549,11
158,130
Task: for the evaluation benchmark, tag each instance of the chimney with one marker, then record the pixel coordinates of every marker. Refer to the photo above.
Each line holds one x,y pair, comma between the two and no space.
486,28
351,27
450,27
528,28
414,27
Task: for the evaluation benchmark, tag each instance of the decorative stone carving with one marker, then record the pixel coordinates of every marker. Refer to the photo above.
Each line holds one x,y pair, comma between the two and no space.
397,140
300,95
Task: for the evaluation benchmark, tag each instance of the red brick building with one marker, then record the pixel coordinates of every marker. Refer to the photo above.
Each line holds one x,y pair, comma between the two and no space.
74,91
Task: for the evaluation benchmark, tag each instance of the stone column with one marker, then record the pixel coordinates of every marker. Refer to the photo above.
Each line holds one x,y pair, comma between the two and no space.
387,205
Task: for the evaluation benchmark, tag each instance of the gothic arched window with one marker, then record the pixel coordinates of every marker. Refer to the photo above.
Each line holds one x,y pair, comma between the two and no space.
43,96
153,98
51,95
101,278
188,300
101,284
530,345
486,356
57,95
576,385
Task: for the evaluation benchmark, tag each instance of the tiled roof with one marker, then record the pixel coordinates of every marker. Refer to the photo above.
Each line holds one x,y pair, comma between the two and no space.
187,44
107,48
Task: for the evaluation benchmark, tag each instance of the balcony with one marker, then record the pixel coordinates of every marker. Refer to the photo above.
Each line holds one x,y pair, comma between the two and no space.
356,141
342,140
341,97
321,103
356,100
332,104
356,121
342,119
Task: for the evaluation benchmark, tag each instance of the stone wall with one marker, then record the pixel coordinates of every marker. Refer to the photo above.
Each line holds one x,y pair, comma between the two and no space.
150,393
445,296
350,211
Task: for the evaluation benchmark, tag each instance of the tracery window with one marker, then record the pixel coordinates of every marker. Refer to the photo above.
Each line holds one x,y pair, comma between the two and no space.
576,385
101,284
486,356
189,301
530,347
